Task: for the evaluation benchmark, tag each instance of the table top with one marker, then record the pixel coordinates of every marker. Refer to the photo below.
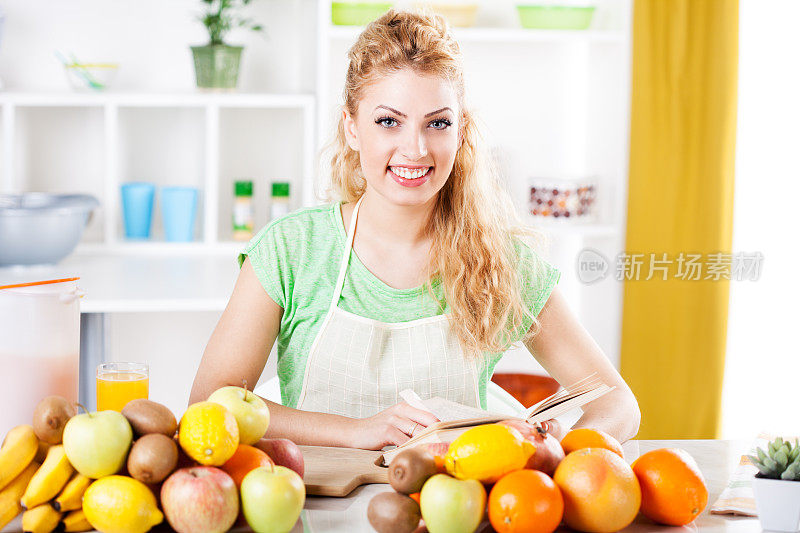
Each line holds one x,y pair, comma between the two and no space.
717,460
115,282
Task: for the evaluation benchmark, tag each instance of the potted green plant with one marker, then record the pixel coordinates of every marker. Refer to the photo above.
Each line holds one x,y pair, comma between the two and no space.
776,486
216,64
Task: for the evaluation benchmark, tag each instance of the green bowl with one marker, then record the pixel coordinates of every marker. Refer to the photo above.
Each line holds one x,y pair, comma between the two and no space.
546,17
357,13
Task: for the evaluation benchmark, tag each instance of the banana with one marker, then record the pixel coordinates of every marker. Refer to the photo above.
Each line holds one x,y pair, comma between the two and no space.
10,496
71,496
40,519
17,452
49,479
76,521
41,453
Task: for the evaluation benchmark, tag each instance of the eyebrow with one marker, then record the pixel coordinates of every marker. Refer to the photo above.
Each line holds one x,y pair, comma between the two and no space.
404,115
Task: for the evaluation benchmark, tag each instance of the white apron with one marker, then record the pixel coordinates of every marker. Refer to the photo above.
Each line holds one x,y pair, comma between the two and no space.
357,365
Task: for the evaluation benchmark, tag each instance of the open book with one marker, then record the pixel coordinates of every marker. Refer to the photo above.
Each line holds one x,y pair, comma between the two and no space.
456,418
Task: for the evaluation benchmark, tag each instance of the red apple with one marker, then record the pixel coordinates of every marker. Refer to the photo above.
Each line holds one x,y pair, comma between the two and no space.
438,450
548,450
200,499
283,452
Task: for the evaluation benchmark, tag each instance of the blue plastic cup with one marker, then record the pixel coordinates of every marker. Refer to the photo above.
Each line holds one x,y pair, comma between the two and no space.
178,209
137,209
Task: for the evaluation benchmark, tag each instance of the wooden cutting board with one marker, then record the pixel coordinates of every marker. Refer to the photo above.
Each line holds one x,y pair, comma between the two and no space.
337,471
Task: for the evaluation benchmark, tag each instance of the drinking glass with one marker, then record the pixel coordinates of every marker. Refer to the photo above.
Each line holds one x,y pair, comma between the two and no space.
119,383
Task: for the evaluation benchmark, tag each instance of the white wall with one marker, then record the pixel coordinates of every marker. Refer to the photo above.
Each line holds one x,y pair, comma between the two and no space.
763,357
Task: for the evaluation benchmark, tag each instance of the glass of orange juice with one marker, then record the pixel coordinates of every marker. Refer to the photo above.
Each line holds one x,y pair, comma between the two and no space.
119,383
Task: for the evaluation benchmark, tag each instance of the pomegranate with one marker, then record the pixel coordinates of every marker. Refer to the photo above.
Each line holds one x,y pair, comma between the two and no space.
548,450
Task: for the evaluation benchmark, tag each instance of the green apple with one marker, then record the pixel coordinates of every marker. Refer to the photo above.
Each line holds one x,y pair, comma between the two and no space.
451,505
272,499
97,444
250,411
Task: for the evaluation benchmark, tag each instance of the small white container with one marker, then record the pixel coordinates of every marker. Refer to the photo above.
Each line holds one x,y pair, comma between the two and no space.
39,347
778,504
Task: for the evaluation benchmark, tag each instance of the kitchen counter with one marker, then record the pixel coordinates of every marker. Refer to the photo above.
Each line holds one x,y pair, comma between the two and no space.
717,460
134,278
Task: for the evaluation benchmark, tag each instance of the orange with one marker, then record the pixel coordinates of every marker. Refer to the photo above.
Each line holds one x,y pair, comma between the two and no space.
208,433
525,500
601,492
673,489
590,438
245,459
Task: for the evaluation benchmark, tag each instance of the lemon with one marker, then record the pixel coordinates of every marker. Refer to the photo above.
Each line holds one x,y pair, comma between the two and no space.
209,433
120,504
487,453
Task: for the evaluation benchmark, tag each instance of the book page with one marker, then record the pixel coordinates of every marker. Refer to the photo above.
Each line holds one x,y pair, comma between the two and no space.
447,411
443,409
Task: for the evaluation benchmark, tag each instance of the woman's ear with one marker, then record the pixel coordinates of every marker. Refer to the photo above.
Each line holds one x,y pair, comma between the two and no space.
350,131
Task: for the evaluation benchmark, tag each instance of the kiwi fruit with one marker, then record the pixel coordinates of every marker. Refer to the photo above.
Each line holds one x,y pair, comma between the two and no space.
390,512
410,469
152,458
146,417
50,417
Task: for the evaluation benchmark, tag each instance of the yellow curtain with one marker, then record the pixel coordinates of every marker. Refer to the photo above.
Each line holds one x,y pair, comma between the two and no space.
680,200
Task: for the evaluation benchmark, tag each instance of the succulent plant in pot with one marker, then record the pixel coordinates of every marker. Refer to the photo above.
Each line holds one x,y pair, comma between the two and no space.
777,485
216,64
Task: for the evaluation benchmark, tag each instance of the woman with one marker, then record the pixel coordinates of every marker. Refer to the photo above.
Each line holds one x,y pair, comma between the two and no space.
416,278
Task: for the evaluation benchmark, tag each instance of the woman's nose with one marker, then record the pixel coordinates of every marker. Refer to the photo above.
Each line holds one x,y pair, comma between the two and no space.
414,145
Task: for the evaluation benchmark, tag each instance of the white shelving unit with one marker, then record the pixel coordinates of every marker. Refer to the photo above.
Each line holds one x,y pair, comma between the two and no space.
108,117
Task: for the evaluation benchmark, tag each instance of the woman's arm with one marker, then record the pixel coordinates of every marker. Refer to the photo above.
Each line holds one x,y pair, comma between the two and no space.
568,353
238,350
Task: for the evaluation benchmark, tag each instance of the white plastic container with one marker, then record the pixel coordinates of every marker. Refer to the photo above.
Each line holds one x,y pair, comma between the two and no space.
39,347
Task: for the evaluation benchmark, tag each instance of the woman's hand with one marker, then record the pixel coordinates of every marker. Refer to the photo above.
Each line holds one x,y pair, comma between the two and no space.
554,428
392,426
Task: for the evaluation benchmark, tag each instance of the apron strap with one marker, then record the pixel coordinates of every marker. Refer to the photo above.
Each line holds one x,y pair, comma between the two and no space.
351,233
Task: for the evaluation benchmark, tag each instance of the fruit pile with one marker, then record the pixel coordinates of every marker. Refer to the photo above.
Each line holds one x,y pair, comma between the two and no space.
126,472
522,479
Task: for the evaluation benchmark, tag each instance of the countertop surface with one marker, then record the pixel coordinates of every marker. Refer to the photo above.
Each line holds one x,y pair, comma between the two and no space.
143,280
717,459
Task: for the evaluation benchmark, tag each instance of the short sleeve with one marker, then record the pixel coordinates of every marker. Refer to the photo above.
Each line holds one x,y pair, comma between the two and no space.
537,280
267,253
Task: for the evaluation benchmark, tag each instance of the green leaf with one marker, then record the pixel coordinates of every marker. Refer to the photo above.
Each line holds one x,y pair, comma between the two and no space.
792,473
782,458
761,455
771,464
794,454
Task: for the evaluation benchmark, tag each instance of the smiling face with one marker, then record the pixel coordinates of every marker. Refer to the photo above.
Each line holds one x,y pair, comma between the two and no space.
406,133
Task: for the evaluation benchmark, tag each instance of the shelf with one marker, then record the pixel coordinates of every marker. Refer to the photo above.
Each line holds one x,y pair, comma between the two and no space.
221,248
583,229
505,35
175,99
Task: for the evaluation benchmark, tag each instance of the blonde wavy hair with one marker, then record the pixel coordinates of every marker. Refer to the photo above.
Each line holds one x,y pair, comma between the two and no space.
474,218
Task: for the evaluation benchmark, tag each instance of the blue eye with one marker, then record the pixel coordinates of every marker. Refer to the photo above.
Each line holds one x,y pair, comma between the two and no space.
383,119
444,121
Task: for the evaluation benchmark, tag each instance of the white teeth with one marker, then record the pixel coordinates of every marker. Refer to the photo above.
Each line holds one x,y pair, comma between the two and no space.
408,173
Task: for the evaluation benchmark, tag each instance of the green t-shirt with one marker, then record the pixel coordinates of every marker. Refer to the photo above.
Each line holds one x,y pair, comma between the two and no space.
296,258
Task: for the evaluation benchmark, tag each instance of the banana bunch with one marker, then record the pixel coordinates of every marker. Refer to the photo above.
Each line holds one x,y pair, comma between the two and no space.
50,493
